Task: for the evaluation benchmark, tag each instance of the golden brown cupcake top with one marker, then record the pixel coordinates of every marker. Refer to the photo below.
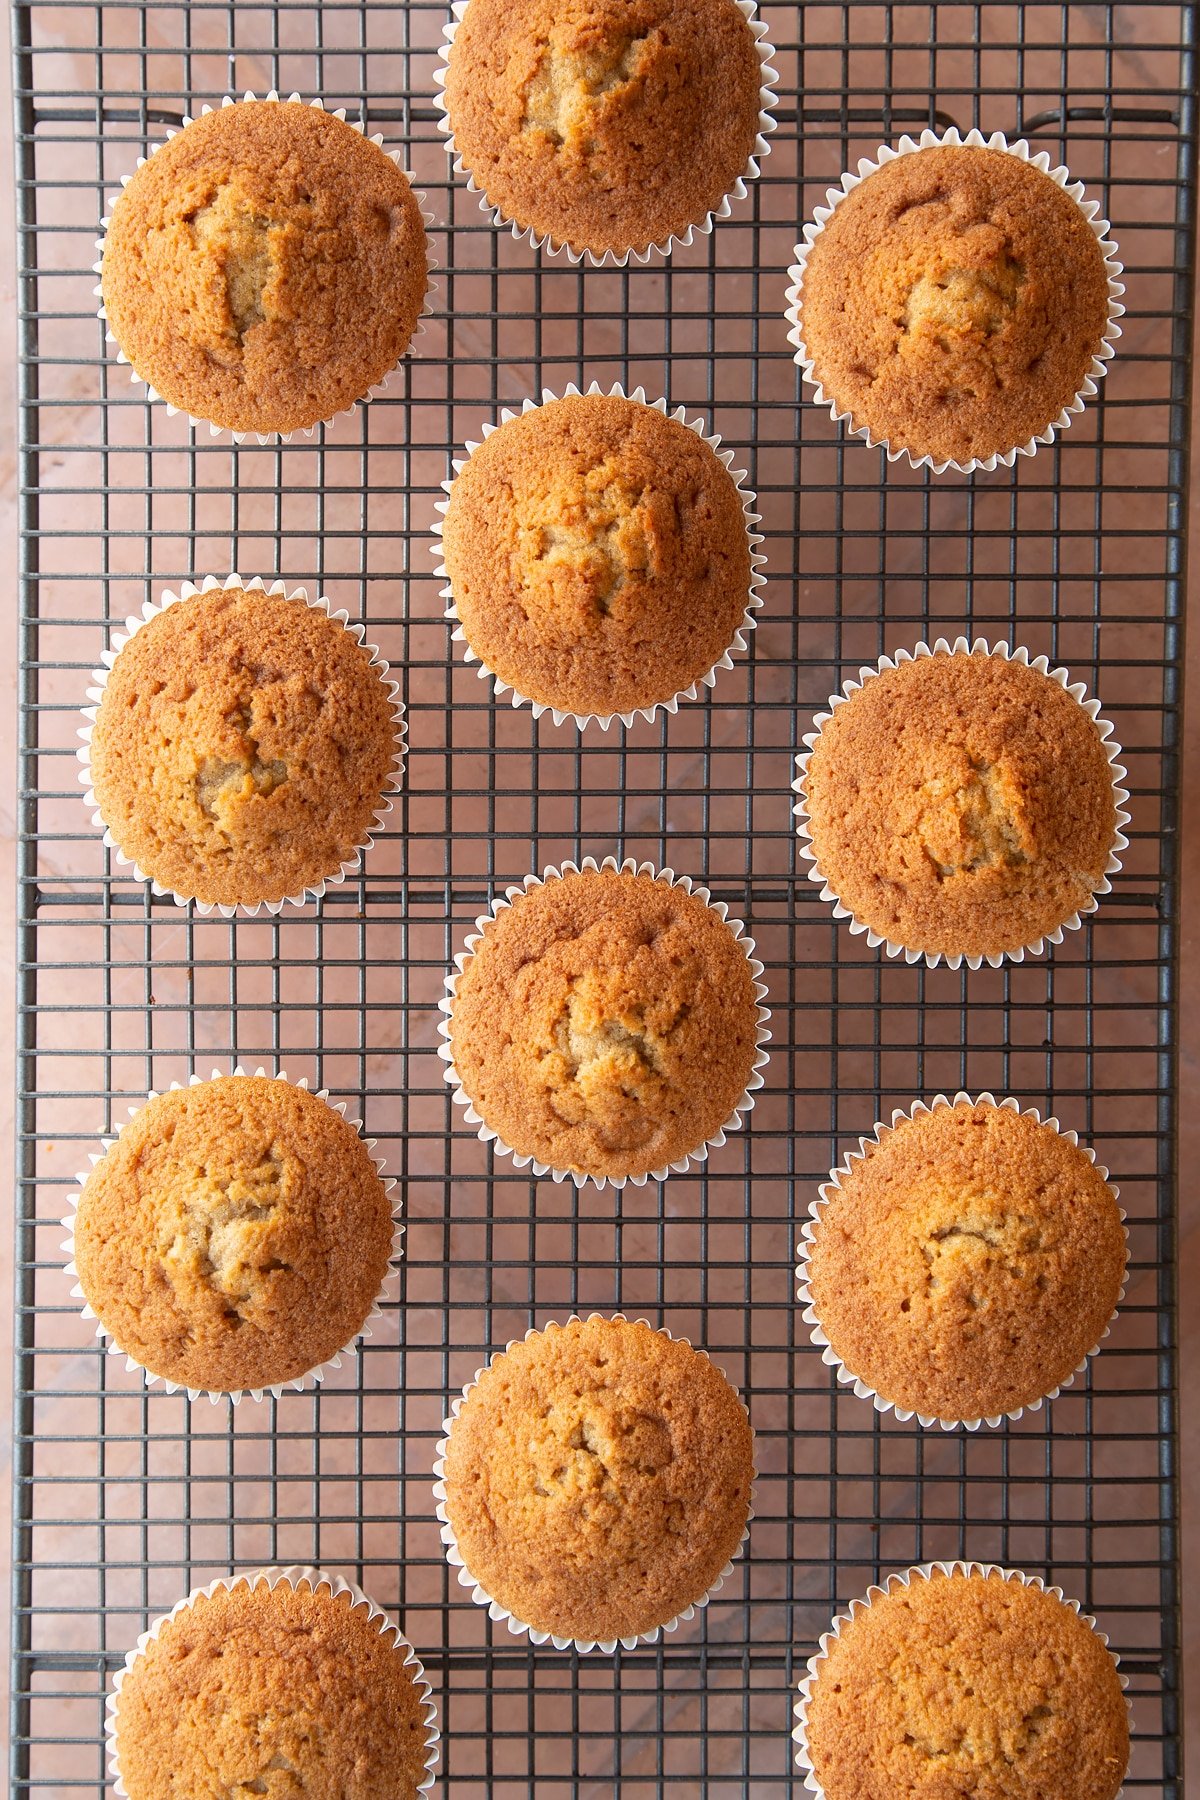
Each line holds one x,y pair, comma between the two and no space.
968,1263
954,302
242,747
606,1024
598,1479
275,1691
961,804
968,1684
235,1236
266,267
597,554
604,124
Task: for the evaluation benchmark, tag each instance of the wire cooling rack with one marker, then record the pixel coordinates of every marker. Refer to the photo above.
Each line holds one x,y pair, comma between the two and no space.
124,1498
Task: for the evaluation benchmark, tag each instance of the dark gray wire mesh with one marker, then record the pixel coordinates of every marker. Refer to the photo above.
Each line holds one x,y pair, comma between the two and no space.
126,1498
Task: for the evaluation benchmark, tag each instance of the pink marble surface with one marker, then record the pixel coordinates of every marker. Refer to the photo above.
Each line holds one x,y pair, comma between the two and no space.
8,811
424,1292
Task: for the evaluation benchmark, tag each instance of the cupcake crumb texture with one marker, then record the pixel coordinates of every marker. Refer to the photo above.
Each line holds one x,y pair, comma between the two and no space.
967,1264
598,1478
954,302
562,98
598,555
606,1024
601,538
967,1684
266,267
961,805
242,747
977,819
604,126
236,1235
238,241
275,1691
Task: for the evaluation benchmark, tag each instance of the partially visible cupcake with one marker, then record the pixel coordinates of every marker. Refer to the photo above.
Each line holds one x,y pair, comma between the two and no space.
606,1024
956,302
244,745
963,1680
596,1481
282,1683
598,556
234,1237
607,126
966,1263
266,267
962,803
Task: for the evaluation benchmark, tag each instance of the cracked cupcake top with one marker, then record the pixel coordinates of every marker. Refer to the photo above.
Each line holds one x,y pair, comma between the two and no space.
954,302
597,553
271,1691
235,1236
266,267
598,1478
607,1023
607,125
967,1684
961,804
242,747
968,1263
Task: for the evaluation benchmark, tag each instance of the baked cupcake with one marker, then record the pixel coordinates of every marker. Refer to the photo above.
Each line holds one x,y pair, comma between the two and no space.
957,1680
608,127
234,1237
957,302
965,1263
598,556
595,1482
605,1024
243,746
283,1683
266,267
962,803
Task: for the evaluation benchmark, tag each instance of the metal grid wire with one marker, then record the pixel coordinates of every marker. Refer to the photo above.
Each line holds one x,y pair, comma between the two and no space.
126,1498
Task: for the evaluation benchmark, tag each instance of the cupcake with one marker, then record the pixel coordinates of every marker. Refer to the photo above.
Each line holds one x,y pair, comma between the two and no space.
265,268
283,1683
605,1024
595,1482
955,301
607,127
962,803
234,1237
962,1679
598,556
965,1263
243,745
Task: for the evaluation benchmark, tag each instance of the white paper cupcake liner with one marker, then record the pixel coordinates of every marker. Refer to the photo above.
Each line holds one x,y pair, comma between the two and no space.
738,642
902,1579
295,1576
274,437
966,647
311,1378
825,1194
187,591
768,99
487,1135
974,140
500,1614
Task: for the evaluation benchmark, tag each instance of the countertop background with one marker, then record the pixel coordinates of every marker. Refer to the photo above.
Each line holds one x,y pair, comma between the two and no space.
1132,22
